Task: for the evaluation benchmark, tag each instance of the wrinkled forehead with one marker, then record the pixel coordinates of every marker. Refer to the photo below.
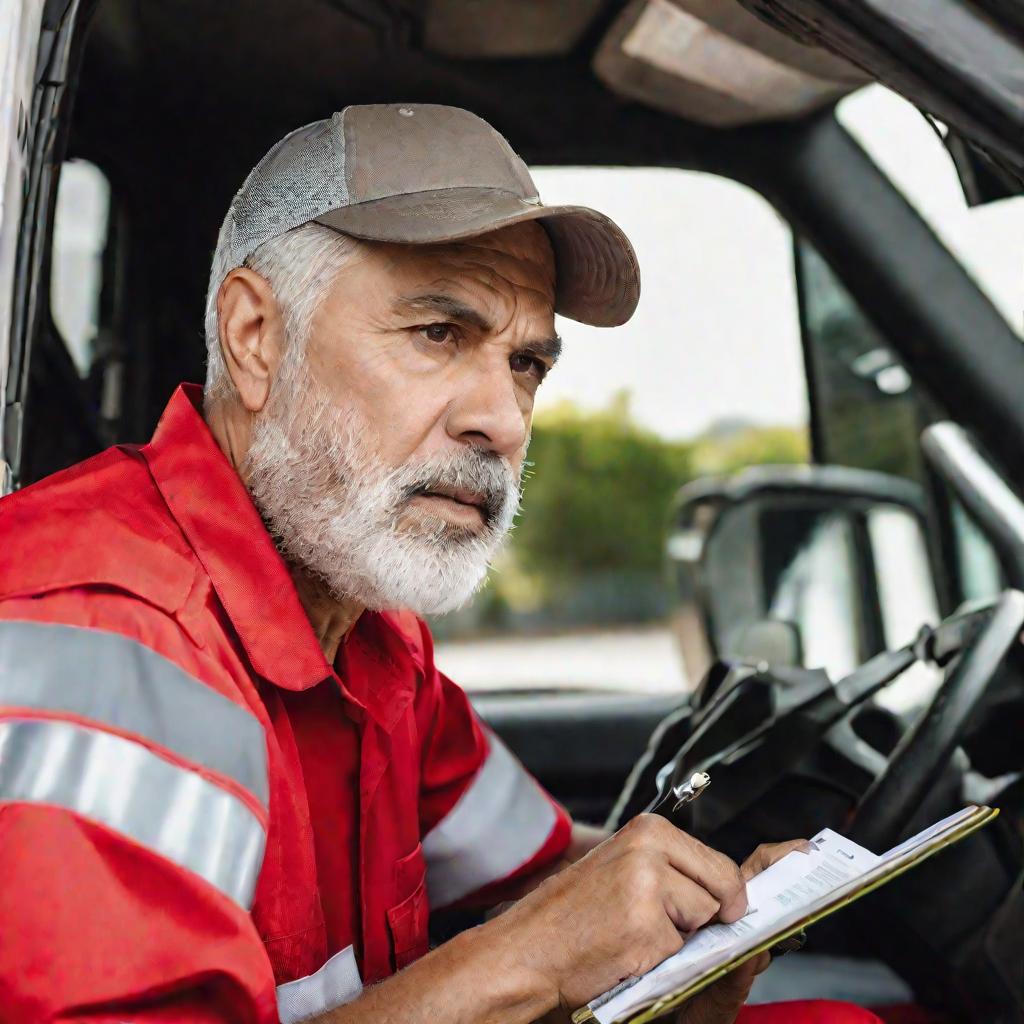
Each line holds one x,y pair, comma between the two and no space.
518,257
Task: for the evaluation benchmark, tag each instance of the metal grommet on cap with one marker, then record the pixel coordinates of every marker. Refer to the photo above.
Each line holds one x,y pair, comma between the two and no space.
406,112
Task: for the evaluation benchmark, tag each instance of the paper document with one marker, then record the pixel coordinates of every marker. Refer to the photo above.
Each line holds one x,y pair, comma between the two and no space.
798,887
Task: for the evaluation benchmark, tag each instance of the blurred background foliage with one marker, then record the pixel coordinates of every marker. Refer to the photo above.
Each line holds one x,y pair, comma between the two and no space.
597,492
588,546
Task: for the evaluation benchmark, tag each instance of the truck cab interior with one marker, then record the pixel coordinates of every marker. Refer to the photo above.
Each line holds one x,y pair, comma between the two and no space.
144,119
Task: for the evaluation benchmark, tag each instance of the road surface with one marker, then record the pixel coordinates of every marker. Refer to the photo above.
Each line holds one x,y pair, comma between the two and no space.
634,660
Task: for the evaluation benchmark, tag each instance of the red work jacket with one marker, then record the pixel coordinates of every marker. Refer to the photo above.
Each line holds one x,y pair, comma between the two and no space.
175,752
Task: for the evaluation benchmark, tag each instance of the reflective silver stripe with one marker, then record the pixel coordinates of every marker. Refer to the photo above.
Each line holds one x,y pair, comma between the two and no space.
121,683
172,811
335,984
499,823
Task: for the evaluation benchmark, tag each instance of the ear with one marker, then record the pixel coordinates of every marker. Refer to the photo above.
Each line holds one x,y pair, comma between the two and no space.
251,335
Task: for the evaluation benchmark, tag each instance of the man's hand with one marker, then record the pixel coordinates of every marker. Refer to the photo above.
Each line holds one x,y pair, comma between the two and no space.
622,909
768,853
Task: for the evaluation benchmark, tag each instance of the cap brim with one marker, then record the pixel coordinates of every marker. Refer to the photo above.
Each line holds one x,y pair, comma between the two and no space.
597,277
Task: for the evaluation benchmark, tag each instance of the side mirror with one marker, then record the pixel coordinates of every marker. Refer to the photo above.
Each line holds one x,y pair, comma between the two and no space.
813,566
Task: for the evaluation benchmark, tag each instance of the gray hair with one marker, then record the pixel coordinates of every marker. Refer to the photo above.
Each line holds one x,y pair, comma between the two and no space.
299,266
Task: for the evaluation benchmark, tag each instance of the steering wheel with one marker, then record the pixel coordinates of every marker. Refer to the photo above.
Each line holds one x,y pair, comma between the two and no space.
754,729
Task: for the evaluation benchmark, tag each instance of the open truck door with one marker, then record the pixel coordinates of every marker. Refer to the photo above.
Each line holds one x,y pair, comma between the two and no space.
19,45
38,44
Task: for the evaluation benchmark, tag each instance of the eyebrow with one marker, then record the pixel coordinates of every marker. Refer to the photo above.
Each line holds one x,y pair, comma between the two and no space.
455,310
549,349
447,306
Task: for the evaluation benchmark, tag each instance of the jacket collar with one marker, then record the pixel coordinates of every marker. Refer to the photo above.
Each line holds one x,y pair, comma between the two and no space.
212,506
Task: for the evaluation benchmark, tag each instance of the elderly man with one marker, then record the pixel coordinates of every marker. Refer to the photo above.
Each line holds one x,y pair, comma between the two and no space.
232,783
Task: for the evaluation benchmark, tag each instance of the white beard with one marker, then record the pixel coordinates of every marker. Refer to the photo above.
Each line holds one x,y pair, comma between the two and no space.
341,515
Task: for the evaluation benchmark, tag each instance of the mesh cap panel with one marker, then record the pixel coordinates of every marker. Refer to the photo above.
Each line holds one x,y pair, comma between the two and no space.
299,179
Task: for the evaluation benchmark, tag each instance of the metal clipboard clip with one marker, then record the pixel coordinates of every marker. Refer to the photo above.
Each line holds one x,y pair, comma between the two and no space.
691,789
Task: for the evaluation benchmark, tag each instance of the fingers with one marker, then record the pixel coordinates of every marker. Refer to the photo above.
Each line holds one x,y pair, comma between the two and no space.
712,871
739,981
688,905
768,853
721,1002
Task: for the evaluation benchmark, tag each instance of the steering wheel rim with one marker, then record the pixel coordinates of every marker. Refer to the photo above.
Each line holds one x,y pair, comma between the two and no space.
890,801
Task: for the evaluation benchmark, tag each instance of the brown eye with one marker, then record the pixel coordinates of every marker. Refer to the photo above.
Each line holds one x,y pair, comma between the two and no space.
437,333
528,364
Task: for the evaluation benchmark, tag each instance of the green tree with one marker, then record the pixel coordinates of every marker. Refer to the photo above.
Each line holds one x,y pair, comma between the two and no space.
597,496
750,446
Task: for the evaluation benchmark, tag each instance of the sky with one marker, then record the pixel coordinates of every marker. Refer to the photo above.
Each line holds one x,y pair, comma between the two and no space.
716,334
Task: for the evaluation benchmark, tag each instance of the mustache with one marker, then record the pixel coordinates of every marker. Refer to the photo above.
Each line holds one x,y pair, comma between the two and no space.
485,474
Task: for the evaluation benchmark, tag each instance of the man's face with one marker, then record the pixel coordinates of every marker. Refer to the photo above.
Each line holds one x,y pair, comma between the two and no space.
441,348
389,466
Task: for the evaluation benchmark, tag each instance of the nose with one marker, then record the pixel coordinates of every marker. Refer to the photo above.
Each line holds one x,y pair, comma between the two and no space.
486,411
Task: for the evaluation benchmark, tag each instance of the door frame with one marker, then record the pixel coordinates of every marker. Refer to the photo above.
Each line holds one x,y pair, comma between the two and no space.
48,58
20,22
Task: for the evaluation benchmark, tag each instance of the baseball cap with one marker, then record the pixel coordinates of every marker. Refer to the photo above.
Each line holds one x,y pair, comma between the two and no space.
419,173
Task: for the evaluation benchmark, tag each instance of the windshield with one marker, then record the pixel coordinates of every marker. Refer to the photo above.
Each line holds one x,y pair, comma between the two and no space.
706,378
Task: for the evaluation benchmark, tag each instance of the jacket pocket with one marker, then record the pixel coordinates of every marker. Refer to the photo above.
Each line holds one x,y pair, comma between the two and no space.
408,918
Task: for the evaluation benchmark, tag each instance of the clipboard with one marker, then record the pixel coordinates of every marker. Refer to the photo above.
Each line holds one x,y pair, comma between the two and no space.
871,881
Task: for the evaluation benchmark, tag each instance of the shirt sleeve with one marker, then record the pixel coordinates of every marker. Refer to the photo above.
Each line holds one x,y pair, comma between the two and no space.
132,821
486,822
